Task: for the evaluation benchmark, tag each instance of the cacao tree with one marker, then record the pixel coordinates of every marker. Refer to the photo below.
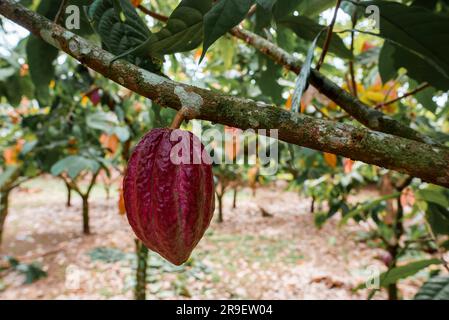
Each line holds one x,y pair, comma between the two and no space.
347,100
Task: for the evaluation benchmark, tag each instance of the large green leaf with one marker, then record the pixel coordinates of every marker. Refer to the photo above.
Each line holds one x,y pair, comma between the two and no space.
225,15
307,29
121,35
386,65
184,29
41,56
436,288
420,38
395,274
118,36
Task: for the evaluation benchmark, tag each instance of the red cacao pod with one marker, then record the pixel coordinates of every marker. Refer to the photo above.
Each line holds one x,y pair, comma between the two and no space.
169,206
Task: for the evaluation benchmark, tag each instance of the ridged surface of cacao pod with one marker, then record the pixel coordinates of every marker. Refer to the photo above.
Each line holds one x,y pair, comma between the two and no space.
169,206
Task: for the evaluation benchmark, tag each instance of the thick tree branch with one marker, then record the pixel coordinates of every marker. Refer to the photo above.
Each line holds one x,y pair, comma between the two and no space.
370,117
417,159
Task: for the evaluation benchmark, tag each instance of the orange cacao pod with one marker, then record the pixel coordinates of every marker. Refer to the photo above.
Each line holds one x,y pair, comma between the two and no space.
169,206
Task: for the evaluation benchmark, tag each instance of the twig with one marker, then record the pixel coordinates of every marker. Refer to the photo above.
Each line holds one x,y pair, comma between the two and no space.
61,10
152,14
178,119
351,62
422,87
252,11
330,31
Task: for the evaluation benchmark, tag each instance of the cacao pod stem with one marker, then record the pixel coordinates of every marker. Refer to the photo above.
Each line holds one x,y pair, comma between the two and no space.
178,119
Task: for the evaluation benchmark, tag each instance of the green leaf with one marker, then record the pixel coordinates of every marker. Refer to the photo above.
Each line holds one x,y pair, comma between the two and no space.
266,4
184,29
122,133
6,73
104,121
438,218
365,206
268,80
436,288
120,37
425,97
434,194
225,15
387,68
32,272
395,274
41,56
74,165
307,29
284,8
312,8
421,40
303,78
7,176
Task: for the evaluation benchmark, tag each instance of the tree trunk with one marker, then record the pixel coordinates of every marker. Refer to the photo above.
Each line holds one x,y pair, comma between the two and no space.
86,227
107,189
4,203
220,207
392,292
234,199
312,205
69,195
141,271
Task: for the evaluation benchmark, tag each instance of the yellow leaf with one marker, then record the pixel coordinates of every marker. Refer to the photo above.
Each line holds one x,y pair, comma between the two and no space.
303,107
330,159
288,104
374,96
84,101
136,3
232,146
121,203
10,156
198,54
109,142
